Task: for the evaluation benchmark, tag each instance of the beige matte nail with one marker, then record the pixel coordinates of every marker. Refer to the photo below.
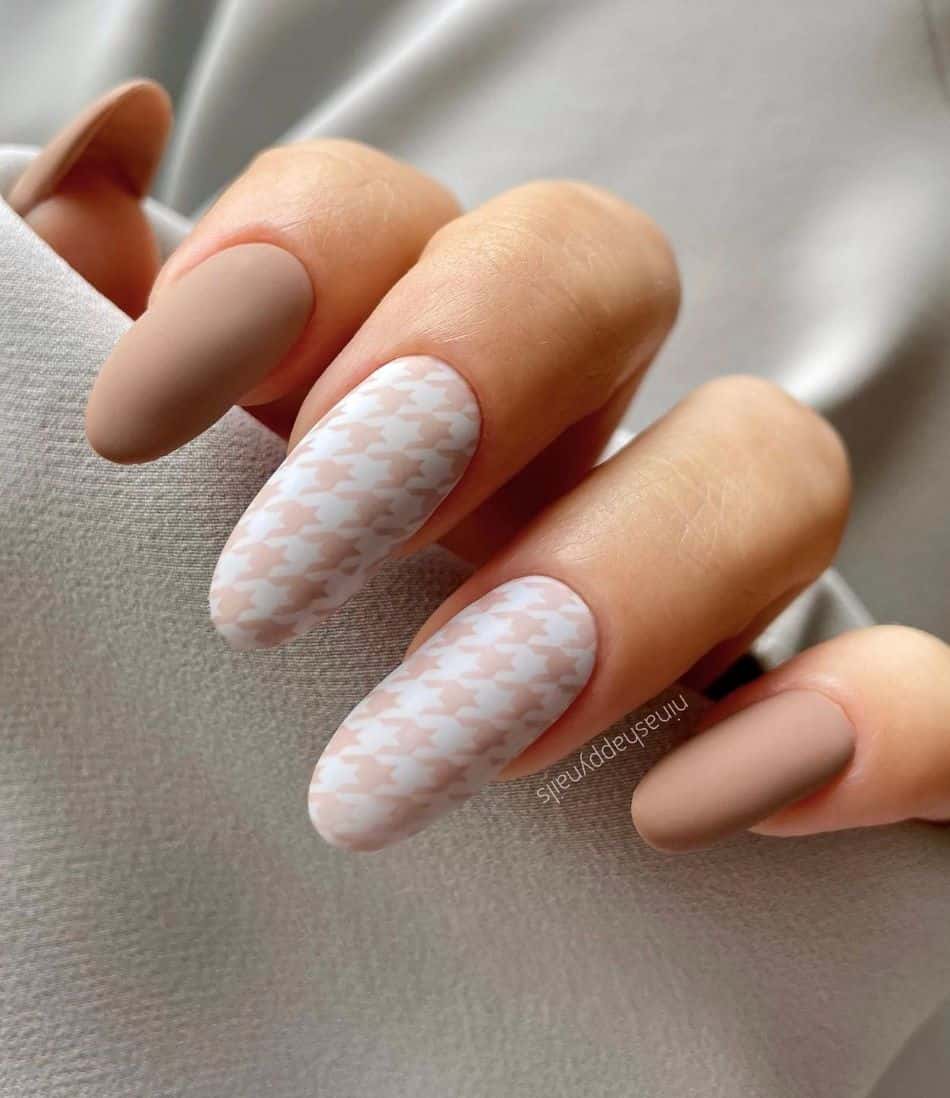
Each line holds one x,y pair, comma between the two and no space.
82,194
121,134
204,342
742,770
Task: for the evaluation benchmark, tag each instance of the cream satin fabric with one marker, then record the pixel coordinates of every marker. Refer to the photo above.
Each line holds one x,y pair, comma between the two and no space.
168,923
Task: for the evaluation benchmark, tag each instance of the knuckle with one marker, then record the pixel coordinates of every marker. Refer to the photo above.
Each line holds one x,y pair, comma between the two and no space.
770,426
578,254
268,159
620,262
550,201
583,204
317,176
331,154
563,225
748,396
588,222
341,185
347,167
769,478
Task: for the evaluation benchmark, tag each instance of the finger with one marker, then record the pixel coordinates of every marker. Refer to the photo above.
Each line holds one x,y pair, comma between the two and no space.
264,292
82,193
662,553
520,320
556,471
852,733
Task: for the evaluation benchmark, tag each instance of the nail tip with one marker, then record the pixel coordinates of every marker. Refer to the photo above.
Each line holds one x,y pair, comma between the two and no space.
201,345
352,842
664,845
107,439
237,645
139,105
643,826
101,442
238,636
349,843
111,449
236,639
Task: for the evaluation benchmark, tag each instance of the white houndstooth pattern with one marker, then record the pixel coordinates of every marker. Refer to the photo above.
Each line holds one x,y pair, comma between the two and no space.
446,721
360,483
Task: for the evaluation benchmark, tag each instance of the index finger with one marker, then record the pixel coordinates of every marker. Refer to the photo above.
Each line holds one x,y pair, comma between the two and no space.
269,286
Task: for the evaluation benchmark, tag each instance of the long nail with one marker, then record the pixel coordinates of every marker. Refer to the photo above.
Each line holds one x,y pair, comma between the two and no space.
121,134
83,193
742,770
358,485
204,342
448,720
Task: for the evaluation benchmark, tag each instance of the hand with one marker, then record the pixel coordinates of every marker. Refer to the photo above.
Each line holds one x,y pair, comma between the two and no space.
448,377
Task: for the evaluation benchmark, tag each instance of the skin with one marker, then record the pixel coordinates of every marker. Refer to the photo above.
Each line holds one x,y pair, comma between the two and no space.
552,300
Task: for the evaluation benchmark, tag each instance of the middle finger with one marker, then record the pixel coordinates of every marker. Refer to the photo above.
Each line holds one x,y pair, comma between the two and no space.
520,320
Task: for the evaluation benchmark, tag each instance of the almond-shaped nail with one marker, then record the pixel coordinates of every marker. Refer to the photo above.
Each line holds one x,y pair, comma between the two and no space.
205,341
449,719
358,485
742,770
122,134
83,192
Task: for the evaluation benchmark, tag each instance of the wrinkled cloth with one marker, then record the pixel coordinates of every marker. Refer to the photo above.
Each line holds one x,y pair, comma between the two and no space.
169,923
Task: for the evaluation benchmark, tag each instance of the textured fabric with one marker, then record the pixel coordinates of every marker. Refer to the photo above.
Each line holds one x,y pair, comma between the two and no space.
171,924
168,922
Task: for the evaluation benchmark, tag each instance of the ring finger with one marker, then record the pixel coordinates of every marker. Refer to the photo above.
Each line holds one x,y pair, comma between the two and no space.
690,537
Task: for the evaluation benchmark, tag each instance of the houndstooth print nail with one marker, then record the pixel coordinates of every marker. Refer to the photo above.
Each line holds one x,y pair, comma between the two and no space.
446,721
360,483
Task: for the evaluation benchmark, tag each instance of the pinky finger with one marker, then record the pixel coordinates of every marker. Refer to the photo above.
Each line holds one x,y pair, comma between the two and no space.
852,733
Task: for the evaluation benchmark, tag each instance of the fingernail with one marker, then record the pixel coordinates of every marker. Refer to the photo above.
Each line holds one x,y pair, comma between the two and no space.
448,720
359,484
204,342
121,134
742,770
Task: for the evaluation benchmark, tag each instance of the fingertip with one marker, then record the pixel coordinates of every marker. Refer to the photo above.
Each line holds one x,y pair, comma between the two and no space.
332,829
106,438
651,821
